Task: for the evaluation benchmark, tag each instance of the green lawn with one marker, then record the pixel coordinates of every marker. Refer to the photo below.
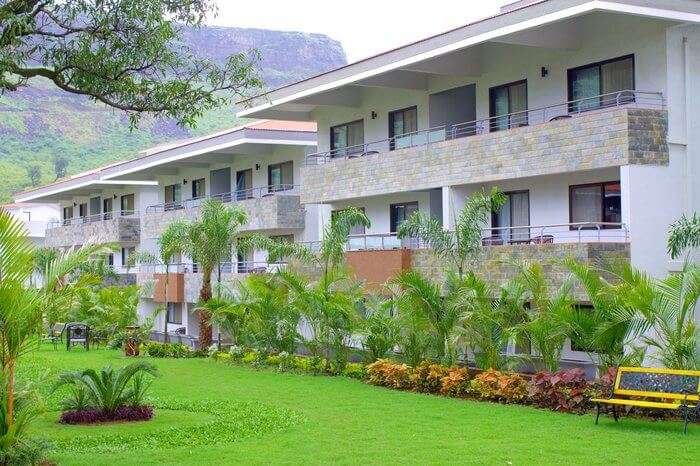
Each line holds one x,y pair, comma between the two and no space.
214,413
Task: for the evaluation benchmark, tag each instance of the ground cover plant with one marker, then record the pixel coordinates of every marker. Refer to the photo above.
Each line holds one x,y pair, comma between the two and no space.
297,418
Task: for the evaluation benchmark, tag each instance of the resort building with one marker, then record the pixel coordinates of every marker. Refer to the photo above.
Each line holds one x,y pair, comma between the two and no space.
584,112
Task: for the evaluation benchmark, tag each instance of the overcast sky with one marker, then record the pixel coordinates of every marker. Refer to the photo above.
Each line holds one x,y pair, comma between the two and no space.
364,27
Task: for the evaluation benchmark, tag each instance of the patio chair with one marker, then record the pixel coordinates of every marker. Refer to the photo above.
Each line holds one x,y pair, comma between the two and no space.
55,334
544,239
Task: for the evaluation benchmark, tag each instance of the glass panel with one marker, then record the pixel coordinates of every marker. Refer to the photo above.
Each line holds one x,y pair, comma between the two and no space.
612,203
585,83
617,76
340,137
520,215
127,204
518,103
586,204
502,220
356,136
501,106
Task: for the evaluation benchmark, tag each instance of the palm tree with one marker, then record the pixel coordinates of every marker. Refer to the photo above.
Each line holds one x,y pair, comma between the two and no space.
459,247
381,328
420,296
547,321
684,234
662,314
209,241
23,306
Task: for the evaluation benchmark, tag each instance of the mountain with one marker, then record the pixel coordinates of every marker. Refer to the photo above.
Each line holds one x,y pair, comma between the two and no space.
40,122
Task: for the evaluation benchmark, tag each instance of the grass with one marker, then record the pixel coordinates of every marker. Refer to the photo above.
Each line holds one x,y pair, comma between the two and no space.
225,414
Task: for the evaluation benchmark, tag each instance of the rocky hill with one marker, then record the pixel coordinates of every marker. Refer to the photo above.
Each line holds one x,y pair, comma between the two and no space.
39,122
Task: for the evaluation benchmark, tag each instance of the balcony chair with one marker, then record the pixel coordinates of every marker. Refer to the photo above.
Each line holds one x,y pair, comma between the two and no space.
544,239
492,241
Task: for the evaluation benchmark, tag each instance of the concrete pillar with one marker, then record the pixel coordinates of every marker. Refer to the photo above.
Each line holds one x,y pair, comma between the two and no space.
447,208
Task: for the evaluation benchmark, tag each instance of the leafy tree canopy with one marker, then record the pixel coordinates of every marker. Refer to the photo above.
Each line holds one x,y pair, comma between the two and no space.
124,53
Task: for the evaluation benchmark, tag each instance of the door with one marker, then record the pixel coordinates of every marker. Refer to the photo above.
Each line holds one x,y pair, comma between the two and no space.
451,108
400,212
220,184
198,188
83,212
514,213
508,106
244,184
95,206
127,205
173,197
107,208
280,177
402,123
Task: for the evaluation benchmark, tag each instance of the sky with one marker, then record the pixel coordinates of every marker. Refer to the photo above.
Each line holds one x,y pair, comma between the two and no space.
364,27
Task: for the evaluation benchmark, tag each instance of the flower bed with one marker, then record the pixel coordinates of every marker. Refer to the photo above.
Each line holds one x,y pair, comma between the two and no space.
97,416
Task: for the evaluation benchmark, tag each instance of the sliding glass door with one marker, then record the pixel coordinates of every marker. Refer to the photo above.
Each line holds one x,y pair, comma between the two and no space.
401,124
514,213
348,138
601,84
508,104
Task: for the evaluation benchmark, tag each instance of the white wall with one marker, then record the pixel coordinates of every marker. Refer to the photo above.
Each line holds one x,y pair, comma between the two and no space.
603,37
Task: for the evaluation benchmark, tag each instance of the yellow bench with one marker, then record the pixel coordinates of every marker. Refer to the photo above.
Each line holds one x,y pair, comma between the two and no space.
661,388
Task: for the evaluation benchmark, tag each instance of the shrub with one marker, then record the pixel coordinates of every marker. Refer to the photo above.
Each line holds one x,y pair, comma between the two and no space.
427,377
286,361
222,356
29,451
169,350
301,363
94,415
387,373
236,352
498,386
273,360
355,371
250,357
456,382
566,390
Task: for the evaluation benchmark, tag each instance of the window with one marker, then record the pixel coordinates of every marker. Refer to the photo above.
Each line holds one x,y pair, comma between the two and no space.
514,213
110,260
198,188
589,84
244,184
402,122
595,203
82,210
173,197
127,204
506,100
174,314
67,215
348,138
107,208
358,229
400,212
126,252
280,176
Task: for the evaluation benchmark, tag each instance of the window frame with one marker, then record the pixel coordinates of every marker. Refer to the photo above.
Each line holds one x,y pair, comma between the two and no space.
392,215
598,64
602,185
204,186
492,107
391,116
123,212
282,187
332,139
173,310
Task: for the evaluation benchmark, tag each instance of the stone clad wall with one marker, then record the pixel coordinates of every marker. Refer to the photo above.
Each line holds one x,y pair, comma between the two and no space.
494,263
597,139
123,230
265,213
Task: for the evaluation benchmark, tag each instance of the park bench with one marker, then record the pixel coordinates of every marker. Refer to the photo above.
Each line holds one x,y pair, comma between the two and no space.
646,387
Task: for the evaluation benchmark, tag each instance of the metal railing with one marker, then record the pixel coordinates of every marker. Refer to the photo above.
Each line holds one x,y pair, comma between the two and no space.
240,267
235,196
530,117
95,218
580,232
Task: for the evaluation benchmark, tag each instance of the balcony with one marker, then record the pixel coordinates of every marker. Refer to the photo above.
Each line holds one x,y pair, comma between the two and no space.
111,227
618,129
268,207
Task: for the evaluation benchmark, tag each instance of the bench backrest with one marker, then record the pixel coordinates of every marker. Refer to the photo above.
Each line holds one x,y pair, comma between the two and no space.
657,383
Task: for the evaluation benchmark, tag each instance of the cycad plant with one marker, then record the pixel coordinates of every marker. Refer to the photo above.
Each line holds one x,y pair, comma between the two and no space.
424,298
546,323
107,389
461,246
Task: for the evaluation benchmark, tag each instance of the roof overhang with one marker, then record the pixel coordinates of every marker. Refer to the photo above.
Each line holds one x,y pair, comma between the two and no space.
195,152
406,67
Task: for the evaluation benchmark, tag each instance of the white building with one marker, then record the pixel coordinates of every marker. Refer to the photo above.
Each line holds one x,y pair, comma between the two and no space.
36,217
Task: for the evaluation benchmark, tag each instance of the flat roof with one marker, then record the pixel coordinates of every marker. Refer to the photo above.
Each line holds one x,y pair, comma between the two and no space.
513,18
239,138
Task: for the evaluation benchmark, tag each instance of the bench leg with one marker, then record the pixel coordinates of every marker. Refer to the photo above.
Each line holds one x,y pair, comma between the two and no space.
614,410
597,413
685,419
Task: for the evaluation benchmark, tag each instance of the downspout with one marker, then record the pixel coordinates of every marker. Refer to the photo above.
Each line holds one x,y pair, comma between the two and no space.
688,128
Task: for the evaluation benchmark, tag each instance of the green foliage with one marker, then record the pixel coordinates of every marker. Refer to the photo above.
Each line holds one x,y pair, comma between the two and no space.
107,310
129,56
381,330
427,377
684,234
170,350
109,389
459,247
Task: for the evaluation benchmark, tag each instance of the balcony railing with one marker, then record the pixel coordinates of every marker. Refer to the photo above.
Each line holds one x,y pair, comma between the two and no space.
96,218
530,117
235,196
241,267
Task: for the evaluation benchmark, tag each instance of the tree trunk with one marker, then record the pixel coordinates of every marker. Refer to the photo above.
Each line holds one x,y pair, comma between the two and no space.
10,394
166,338
205,336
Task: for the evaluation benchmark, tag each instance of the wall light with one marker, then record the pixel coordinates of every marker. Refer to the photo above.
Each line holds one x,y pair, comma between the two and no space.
374,115
544,72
